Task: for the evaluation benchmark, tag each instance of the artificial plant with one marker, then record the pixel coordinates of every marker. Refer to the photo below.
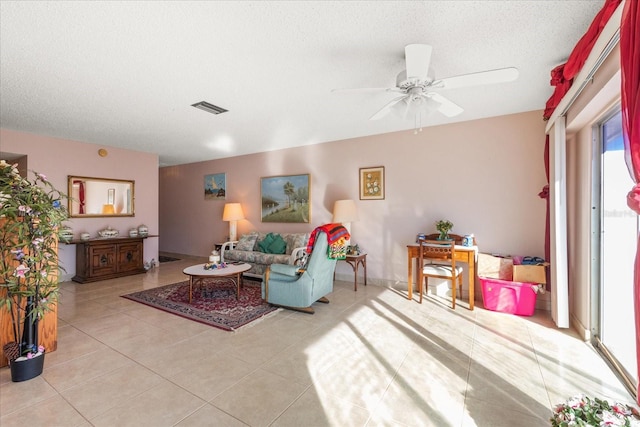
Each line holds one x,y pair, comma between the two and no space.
31,213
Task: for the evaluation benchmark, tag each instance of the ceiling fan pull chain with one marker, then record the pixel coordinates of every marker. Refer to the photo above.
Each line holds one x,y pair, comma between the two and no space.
417,123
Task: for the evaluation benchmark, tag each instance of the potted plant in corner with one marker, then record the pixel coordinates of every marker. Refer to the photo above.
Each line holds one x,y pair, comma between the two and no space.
444,226
31,212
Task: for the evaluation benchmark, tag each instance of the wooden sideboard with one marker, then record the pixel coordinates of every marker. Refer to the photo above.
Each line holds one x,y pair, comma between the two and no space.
107,258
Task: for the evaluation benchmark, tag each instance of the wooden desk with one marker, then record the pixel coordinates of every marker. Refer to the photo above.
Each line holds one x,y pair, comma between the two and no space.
466,254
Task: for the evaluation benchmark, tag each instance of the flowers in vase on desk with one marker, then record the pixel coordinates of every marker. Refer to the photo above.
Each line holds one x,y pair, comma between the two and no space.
444,226
31,214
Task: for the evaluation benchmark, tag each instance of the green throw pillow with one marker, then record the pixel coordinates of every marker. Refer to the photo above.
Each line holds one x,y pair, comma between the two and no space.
263,245
278,245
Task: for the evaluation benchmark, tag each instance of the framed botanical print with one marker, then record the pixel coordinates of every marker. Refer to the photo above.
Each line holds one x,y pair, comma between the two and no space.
285,198
215,186
372,183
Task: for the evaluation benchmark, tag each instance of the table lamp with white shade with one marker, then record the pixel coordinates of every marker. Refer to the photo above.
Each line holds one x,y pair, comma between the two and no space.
345,212
232,213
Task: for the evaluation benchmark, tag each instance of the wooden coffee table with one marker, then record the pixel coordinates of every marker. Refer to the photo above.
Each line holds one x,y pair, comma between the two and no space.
197,273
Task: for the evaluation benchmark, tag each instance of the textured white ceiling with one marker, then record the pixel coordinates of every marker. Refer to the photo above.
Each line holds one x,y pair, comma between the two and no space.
125,73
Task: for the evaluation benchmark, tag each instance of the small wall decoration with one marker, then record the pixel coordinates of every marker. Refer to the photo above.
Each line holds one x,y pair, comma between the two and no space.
372,183
215,186
285,198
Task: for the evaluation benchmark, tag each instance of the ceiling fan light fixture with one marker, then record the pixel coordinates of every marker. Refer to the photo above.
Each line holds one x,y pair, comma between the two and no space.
209,108
416,104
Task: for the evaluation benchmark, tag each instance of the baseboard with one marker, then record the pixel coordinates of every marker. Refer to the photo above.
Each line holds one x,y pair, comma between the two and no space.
66,277
183,256
576,325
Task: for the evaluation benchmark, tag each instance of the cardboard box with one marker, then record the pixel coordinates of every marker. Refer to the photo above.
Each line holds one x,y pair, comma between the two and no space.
530,273
495,267
508,297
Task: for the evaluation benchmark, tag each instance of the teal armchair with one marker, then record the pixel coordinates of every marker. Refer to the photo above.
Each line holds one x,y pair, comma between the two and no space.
291,287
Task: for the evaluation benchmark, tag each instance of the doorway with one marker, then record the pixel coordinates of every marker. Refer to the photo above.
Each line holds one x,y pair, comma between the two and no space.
614,330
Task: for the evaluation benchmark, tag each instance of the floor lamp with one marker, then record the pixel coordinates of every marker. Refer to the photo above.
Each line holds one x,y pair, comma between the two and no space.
232,213
344,212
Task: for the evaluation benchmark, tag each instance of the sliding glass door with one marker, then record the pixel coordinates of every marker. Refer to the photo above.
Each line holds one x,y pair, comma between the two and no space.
614,333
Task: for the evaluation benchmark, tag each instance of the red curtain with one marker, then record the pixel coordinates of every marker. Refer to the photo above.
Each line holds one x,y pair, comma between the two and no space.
630,93
585,44
81,195
562,76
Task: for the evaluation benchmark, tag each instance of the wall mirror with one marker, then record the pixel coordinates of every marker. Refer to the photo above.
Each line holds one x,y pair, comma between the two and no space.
96,197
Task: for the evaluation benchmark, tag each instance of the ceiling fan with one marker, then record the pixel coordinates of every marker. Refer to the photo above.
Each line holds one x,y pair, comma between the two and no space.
420,90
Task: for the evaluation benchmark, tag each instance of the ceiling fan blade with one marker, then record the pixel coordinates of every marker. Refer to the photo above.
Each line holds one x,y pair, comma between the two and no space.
446,107
418,57
385,110
500,75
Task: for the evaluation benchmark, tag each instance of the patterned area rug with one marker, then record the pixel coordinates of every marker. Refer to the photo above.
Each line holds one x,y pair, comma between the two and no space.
214,303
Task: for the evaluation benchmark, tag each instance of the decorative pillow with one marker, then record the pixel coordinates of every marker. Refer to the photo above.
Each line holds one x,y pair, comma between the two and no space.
247,242
296,240
263,245
278,245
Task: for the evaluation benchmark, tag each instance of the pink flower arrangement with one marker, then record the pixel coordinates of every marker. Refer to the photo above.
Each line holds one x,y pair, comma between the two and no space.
31,215
581,410
24,209
21,270
30,355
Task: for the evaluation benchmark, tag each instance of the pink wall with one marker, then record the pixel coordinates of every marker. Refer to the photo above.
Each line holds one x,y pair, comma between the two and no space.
483,175
58,158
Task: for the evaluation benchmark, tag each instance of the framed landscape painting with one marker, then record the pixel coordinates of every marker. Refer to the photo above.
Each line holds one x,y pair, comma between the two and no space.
285,198
215,186
372,183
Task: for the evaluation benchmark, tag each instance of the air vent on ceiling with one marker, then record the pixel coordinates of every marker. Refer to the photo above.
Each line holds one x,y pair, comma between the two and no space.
210,108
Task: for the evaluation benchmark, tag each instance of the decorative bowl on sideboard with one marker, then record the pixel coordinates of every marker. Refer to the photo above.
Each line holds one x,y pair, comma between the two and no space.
108,233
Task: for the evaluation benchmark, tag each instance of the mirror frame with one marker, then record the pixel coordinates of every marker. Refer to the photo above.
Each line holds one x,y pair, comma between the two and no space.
109,196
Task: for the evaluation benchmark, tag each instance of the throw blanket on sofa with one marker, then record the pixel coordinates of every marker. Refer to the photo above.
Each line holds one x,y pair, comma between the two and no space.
337,237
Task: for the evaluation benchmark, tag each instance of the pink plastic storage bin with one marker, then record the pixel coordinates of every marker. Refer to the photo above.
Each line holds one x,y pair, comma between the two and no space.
508,297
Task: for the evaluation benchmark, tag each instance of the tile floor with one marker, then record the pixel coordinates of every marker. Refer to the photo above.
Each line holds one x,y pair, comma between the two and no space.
369,358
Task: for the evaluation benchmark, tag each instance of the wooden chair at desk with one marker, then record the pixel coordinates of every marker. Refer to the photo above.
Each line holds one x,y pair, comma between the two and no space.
437,259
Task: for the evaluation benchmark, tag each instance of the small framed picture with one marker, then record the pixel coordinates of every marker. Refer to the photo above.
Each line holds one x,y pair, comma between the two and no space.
372,183
215,186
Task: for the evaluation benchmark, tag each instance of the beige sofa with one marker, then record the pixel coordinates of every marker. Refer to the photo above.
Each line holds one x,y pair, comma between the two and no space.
247,249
